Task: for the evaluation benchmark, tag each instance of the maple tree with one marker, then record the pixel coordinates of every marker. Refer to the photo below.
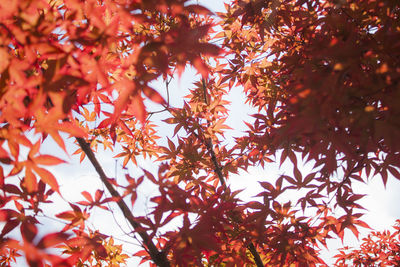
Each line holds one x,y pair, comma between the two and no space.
322,76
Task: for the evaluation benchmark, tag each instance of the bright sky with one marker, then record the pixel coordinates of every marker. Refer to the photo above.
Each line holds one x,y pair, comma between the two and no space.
76,177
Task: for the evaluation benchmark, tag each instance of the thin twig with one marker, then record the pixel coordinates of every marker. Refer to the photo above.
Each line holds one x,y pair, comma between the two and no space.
76,229
335,195
166,105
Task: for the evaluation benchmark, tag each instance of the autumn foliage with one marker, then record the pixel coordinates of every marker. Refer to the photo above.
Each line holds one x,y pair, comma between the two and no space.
377,249
322,77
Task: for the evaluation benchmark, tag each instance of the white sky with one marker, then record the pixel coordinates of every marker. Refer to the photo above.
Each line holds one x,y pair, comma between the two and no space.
76,177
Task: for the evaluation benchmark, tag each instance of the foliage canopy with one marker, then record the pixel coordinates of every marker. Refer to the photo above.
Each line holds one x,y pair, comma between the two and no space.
323,78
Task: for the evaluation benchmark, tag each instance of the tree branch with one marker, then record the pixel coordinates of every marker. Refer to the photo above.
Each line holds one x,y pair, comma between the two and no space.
257,258
158,257
218,171
218,168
